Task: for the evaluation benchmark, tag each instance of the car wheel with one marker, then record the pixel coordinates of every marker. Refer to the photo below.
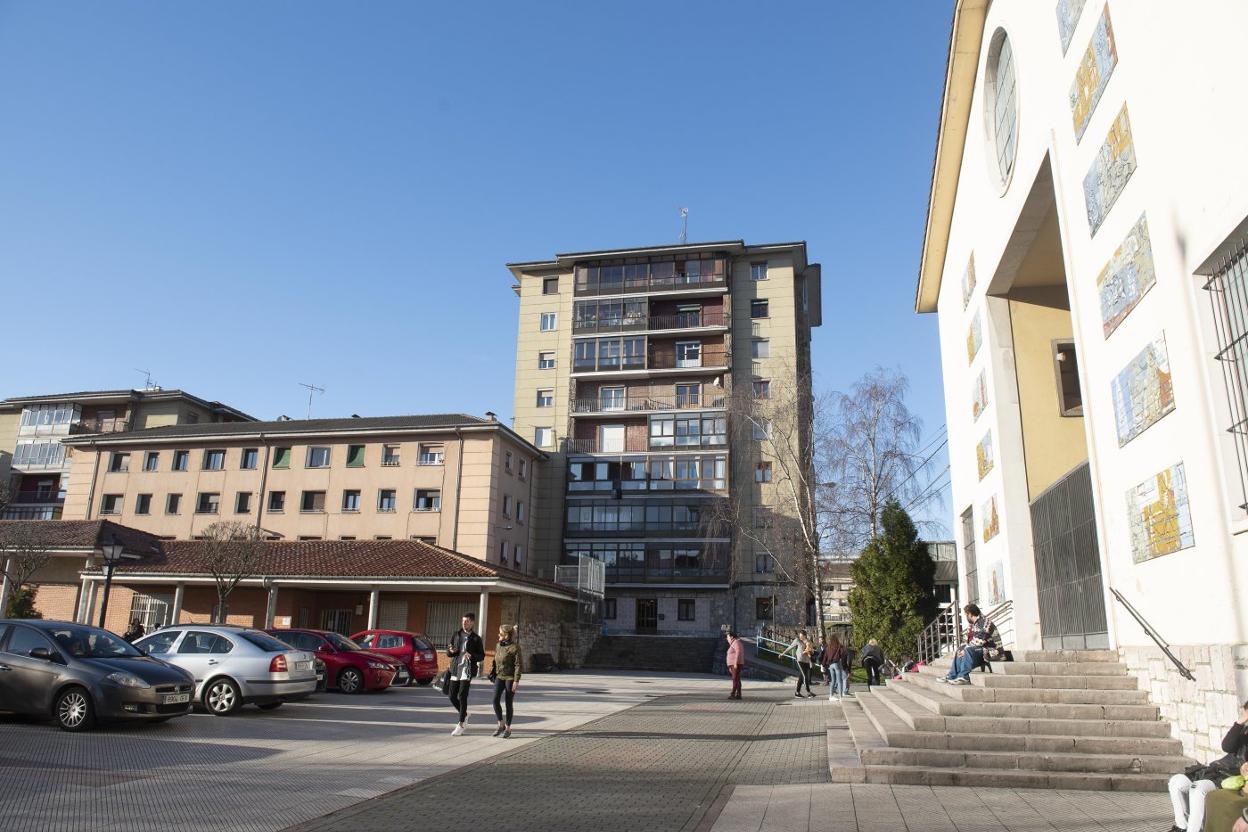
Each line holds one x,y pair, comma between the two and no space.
350,681
73,710
270,706
424,683
221,697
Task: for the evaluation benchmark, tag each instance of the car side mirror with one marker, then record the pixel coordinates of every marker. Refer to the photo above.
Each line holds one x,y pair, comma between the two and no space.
325,648
42,653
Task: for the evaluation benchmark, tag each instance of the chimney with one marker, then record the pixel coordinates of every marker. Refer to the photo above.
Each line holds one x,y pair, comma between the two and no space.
491,415
283,418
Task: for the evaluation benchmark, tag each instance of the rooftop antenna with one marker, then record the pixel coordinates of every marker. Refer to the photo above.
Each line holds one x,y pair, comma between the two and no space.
148,384
312,388
684,226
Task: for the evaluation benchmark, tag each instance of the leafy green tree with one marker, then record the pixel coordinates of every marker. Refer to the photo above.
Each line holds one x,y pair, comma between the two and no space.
22,604
893,596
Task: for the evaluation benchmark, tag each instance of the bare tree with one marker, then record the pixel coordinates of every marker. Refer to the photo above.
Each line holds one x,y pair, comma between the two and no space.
23,553
232,552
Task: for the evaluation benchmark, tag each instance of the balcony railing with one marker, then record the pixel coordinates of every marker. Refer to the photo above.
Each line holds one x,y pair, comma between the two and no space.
704,442
712,356
659,574
641,323
39,498
100,426
647,404
639,529
651,283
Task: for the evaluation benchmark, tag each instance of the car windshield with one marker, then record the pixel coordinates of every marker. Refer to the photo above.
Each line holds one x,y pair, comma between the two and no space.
90,643
341,642
264,641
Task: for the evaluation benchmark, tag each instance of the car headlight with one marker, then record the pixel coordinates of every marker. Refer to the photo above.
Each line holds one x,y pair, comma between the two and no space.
128,680
380,666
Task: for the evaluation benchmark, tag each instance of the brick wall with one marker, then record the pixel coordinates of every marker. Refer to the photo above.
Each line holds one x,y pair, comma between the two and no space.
57,601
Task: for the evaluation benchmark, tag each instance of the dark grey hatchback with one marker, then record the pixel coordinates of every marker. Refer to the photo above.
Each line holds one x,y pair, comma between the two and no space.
77,674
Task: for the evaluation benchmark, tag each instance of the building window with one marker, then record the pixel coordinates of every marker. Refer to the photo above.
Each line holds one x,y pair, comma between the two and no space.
277,501
317,458
214,460
110,504
389,455
1069,397
173,503
151,461
313,501
143,504
545,398
249,458
181,460
517,557
608,609
428,499
760,348
242,502
758,309
506,505
764,563
686,609
351,501
762,472
207,502
507,457
524,468
120,463
1228,293
688,353
548,322
758,271
543,437
355,456
760,429
431,541
762,609
762,388
550,286
502,552
520,511
688,395
545,361
431,455
281,457
1001,112
385,500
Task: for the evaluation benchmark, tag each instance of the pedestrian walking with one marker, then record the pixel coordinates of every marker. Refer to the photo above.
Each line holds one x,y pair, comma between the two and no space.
834,661
466,652
736,661
135,632
803,651
506,677
872,660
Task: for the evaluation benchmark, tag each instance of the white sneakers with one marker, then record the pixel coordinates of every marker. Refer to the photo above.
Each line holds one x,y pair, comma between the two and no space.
459,730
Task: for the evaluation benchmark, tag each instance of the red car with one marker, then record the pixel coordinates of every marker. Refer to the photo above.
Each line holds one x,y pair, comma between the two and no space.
412,649
348,667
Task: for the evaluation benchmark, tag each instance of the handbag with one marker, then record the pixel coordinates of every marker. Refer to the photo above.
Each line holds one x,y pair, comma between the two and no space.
493,677
444,682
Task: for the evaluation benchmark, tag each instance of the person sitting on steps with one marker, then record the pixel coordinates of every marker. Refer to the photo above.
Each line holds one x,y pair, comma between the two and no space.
981,635
1227,808
1189,789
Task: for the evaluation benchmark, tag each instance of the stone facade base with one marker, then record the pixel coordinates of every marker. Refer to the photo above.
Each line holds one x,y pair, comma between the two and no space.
1199,712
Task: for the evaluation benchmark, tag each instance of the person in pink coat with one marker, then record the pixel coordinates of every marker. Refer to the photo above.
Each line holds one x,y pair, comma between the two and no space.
736,661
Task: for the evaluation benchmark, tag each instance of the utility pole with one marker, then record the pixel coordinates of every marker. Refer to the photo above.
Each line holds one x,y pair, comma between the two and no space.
684,226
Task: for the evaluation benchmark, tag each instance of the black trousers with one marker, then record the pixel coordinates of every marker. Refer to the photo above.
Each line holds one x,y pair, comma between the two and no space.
803,676
459,697
873,671
503,689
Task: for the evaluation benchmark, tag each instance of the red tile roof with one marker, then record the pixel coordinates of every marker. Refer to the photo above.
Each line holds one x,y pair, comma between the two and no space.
77,534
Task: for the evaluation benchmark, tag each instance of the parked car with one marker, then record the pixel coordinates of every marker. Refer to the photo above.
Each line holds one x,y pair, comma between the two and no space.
319,664
234,666
79,674
348,667
413,650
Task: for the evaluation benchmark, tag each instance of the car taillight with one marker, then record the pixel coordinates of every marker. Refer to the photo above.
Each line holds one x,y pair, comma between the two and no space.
427,655
278,665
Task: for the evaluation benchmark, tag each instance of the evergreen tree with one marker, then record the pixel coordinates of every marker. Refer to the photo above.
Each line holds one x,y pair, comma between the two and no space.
893,597
22,604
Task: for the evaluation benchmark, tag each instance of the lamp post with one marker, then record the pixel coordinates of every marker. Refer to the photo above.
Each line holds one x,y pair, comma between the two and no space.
110,549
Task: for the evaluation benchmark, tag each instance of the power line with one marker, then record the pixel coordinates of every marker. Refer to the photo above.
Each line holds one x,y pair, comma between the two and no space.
919,467
927,491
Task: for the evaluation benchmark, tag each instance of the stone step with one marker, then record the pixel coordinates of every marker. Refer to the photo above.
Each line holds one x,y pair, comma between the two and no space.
943,703
882,717
1056,696
1024,761
1051,744
1060,668
1003,680
864,732
996,778
1068,656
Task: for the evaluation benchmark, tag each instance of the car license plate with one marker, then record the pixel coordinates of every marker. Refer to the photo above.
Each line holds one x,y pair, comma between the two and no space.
302,665
177,698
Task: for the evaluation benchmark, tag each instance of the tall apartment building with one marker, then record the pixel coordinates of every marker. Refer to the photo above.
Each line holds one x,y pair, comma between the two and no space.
36,465
626,363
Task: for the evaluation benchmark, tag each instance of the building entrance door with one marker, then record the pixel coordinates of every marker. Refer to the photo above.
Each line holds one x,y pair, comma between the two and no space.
647,615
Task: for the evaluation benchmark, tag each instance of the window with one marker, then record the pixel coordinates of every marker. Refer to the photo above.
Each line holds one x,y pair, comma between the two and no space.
432,541
249,459
214,460
24,640
277,501
758,309
611,398
151,461
543,437
428,499
758,271
351,500
431,455
208,502
762,517
545,398
502,552
385,499
688,395
110,504
507,457
519,511
309,537
242,502
608,609
347,537
382,537
1069,397
389,455
159,643
762,609
685,609
195,642
524,469
550,286
762,472
317,458
545,361
762,388
1228,287
120,463
764,563
760,348
1001,112
173,503
548,321
760,429
688,353
181,460
506,505
517,556
313,501
355,456
143,504
281,457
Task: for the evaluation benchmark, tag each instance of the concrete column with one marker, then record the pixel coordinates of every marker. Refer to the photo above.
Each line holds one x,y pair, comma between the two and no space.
374,596
89,613
175,614
483,607
84,594
270,609
6,587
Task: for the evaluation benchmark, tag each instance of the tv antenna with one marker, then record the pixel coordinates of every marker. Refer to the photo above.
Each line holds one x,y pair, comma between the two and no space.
312,388
148,384
684,226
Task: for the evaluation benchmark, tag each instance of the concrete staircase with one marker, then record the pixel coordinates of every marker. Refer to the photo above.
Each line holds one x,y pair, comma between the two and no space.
676,654
1054,720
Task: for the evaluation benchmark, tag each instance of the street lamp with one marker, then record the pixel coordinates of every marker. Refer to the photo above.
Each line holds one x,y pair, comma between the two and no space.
110,549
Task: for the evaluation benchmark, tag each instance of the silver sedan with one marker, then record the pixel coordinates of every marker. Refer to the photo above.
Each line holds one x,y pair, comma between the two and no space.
234,666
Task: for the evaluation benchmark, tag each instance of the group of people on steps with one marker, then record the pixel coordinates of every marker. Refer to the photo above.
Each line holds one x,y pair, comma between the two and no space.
834,658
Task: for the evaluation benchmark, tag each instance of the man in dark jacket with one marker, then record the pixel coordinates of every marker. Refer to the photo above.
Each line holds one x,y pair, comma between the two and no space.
1189,789
466,652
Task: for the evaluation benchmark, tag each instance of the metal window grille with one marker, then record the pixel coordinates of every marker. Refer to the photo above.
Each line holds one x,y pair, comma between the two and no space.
1228,293
151,610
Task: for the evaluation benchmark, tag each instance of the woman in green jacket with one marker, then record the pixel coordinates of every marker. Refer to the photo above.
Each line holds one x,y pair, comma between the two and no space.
506,675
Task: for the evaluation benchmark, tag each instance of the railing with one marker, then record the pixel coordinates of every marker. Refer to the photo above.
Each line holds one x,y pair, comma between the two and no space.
708,442
100,426
652,283
647,404
943,635
1155,636
709,356
692,529
649,574
641,323
36,498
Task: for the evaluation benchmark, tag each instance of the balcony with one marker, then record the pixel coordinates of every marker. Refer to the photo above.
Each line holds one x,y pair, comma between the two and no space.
100,426
606,325
664,276
36,498
688,442
630,574
609,404
709,358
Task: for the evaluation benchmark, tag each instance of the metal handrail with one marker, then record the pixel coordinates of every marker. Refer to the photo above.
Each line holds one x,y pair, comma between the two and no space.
944,631
1154,635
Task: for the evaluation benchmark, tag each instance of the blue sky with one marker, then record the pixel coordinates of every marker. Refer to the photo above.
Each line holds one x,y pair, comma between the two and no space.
243,196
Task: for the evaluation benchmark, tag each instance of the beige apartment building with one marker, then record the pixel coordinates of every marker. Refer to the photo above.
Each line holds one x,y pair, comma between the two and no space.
626,365
34,463
460,482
